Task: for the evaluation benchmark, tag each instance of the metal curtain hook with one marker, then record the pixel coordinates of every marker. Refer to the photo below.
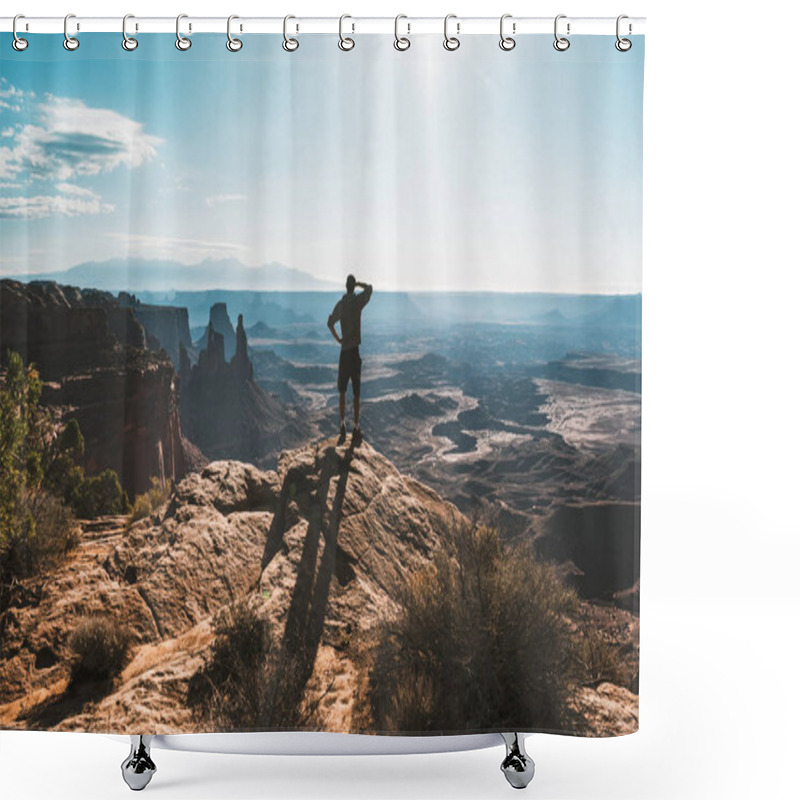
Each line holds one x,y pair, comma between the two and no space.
561,43
623,45
507,42
345,42
289,44
233,44
18,42
401,42
70,42
451,42
128,42
181,42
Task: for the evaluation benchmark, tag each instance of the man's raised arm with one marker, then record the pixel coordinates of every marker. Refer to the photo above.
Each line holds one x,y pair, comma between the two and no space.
364,297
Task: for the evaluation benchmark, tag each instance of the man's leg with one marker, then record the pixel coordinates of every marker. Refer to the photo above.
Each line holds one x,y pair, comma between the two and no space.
342,406
356,408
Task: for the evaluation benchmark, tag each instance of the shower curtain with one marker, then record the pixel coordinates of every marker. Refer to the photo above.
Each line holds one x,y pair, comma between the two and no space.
320,383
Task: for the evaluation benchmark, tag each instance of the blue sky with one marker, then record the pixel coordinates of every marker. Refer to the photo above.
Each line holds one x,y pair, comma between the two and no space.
422,170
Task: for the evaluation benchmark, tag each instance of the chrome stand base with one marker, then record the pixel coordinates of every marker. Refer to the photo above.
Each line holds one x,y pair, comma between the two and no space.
517,766
138,768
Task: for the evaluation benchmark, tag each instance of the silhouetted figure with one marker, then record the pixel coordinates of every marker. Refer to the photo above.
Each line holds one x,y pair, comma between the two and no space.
347,312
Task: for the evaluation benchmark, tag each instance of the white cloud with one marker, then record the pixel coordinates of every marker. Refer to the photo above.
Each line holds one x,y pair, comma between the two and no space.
75,191
71,139
10,96
6,132
218,199
23,207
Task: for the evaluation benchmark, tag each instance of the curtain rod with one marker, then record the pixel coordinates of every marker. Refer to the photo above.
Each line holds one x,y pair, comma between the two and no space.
300,25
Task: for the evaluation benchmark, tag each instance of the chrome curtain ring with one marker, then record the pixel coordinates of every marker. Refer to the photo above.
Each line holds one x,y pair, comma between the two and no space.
623,45
451,42
289,44
345,42
70,42
181,42
18,43
128,42
561,43
401,42
233,44
507,42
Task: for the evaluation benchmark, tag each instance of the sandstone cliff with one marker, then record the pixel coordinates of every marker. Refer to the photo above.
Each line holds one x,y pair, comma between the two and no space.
91,354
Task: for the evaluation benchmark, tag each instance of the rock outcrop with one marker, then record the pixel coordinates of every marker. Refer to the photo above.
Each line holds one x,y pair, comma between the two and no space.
91,353
219,320
226,413
167,325
323,545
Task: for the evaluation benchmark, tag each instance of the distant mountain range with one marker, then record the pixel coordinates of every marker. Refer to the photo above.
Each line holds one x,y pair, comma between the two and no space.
137,274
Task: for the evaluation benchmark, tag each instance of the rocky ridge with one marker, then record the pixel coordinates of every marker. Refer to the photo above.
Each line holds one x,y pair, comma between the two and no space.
322,544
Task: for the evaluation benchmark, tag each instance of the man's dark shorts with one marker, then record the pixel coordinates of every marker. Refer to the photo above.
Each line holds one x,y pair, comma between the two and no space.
350,370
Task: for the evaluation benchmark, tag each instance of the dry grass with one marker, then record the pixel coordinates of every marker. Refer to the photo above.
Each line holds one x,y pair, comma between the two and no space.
483,641
154,498
101,647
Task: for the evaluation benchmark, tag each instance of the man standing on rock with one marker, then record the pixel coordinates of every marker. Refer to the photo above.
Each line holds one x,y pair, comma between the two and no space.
347,312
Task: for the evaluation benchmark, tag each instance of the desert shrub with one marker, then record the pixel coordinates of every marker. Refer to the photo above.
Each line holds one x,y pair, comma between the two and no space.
231,688
101,494
43,533
248,682
100,647
483,640
599,660
155,497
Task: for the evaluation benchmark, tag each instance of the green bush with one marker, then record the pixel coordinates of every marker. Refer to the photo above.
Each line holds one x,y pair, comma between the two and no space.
101,494
155,497
37,529
45,532
100,646
483,640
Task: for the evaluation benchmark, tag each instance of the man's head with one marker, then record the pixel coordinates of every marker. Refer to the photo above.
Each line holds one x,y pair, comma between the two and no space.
350,284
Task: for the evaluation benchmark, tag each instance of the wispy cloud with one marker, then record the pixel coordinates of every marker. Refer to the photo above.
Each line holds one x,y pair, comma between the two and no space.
75,191
85,202
188,251
218,199
60,140
10,97
71,139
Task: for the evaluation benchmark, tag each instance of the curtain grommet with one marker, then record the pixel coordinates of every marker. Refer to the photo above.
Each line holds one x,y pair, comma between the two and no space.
129,43
182,42
451,43
18,43
507,43
71,43
233,44
401,43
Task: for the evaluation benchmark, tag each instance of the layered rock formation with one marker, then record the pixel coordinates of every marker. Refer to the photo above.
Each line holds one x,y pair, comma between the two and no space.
92,355
225,412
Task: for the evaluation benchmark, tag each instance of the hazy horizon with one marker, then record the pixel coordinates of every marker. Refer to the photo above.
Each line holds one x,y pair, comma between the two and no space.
391,165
